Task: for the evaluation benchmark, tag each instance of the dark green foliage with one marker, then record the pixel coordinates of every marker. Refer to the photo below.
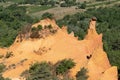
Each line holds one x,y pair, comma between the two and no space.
63,66
47,71
82,74
68,3
40,2
2,67
78,23
34,29
114,57
52,2
39,71
82,6
2,0
12,19
63,5
39,27
50,26
47,15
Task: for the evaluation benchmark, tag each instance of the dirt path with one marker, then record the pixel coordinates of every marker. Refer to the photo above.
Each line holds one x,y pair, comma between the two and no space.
59,12
102,4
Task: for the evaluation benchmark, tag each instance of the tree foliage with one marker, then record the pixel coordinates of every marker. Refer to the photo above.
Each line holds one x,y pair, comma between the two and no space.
40,2
63,66
68,3
39,71
12,19
47,15
82,6
47,71
2,67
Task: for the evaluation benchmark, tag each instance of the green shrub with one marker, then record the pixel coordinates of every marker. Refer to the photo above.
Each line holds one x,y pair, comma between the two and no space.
82,74
2,67
39,71
47,71
47,15
68,3
64,66
63,5
39,27
50,26
82,6
33,29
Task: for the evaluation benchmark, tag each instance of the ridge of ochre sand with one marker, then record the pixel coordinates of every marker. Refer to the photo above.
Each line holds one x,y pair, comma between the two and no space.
63,45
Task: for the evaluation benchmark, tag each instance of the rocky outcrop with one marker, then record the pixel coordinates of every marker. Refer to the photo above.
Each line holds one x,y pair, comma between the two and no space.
86,53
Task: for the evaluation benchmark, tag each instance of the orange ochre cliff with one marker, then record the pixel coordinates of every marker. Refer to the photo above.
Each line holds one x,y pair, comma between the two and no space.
59,46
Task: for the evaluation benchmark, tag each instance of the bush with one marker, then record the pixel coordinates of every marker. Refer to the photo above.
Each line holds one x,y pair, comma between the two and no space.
33,29
82,6
49,26
39,71
47,15
47,71
39,27
68,3
82,74
63,5
2,67
64,66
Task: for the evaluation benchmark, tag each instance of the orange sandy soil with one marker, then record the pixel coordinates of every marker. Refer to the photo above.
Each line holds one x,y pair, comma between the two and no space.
59,46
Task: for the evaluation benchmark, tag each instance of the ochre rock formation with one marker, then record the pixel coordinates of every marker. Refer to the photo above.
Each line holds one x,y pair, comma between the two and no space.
58,46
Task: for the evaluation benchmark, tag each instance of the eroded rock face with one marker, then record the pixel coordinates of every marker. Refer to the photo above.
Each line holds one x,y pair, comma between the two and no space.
86,53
